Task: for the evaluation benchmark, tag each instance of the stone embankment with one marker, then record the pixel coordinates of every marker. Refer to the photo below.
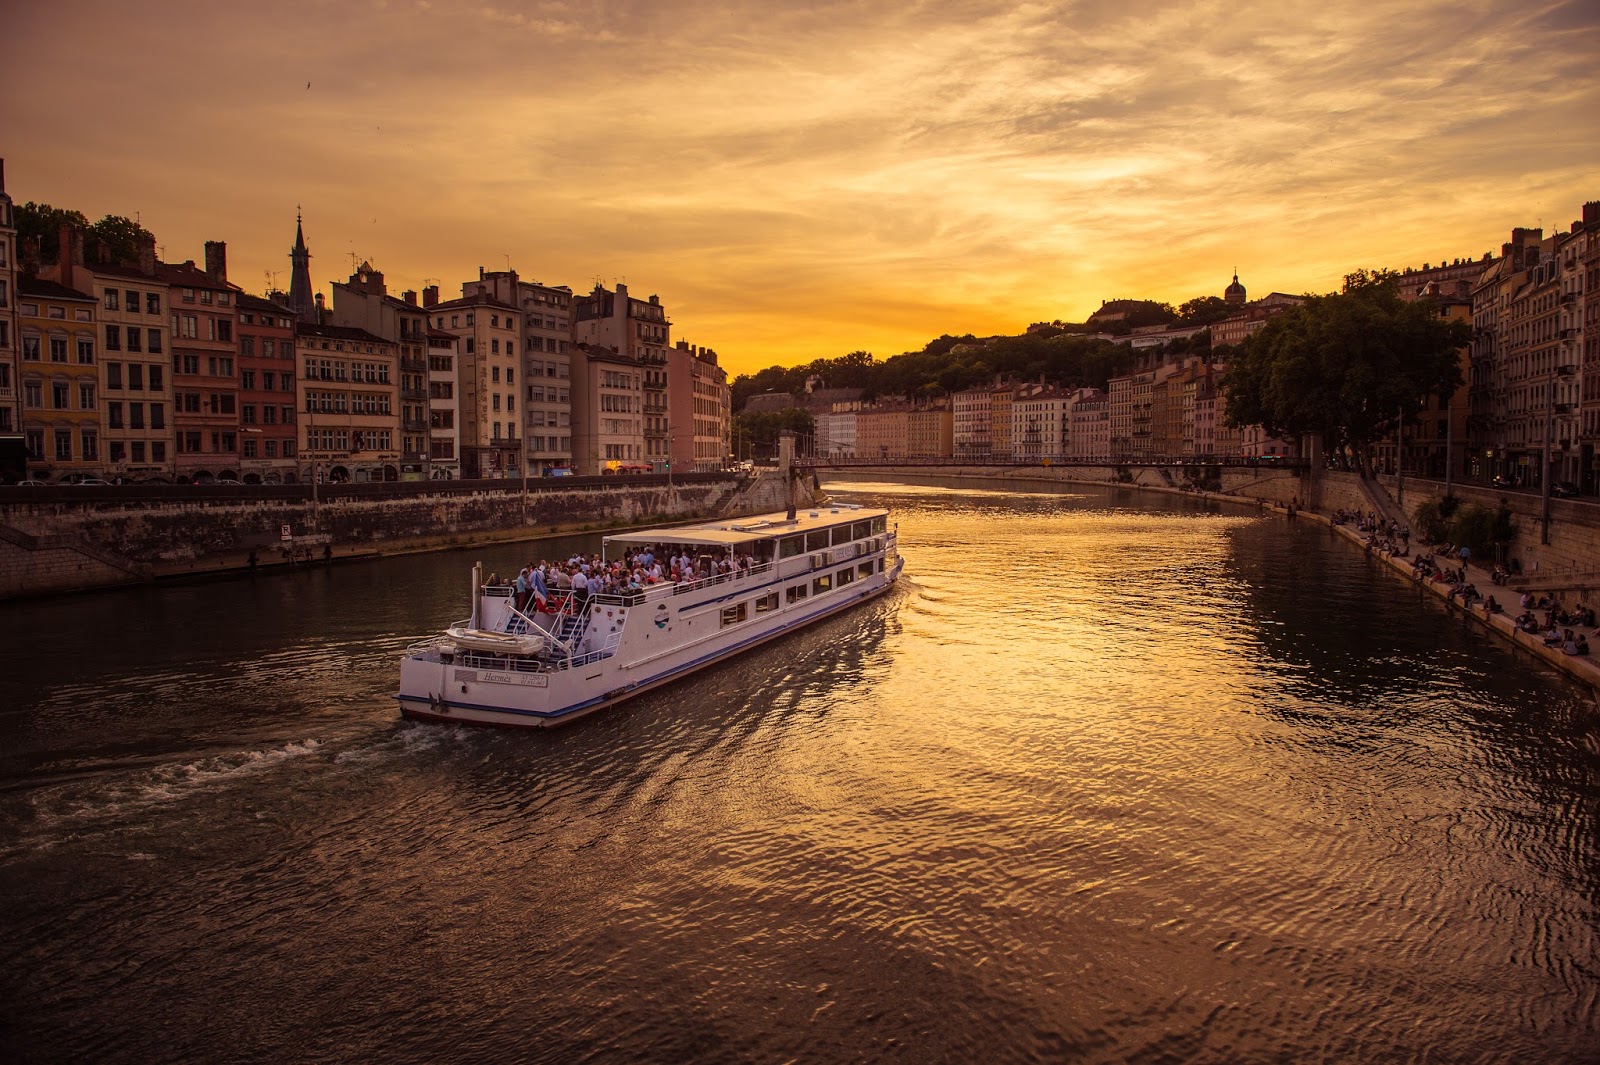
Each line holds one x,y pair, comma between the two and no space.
64,545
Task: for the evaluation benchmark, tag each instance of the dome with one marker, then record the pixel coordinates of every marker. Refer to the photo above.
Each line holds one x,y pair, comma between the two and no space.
1234,293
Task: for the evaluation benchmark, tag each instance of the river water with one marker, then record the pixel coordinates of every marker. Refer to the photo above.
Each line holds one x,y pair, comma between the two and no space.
1109,777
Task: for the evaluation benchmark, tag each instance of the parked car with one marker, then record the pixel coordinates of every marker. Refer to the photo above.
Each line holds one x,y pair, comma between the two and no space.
1564,489
94,481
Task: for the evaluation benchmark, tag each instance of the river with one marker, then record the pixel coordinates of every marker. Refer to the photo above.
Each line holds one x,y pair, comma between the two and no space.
1109,777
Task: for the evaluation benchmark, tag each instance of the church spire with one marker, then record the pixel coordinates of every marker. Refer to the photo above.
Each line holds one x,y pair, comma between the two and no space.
301,300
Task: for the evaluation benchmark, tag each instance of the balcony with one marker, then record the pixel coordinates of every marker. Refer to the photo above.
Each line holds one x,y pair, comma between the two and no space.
413,364
414,425
1568,298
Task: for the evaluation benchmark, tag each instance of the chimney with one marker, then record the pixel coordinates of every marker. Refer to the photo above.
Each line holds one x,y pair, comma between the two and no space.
103,253
1591,210
480,273
70,254
410,296
430,295
147,254
217,261
31,256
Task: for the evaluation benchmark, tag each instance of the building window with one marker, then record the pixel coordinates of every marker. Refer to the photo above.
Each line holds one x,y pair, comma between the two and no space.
89,440
152,303
86,397
114,375
114,415
32,395
136,415
154,338
135,376
35,442
158,419
85,352
155,378
111,299
30,349
58,349
58,395
63,445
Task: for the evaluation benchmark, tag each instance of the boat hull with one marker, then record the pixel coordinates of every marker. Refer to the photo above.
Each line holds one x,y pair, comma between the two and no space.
496,705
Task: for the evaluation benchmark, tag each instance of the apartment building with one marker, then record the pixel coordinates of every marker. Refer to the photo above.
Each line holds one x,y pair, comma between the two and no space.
1040,426
699,405
489,363
547,365
883,432
10,411
973,429
363,302
639,330
608,410
268,437
60,380
135,374
348,397
444,428
205,373
1088,425
930,431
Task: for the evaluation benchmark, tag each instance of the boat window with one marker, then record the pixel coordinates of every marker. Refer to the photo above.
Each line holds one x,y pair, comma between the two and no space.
821,584
846,575
732,615
817,540
767,603
865,569
794,593
791,546
841,534
880,525
880,564
861,530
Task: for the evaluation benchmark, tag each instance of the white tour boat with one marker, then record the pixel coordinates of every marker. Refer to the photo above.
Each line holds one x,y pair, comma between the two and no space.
543,667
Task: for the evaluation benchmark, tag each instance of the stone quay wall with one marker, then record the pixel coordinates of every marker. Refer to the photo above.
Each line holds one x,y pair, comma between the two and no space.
64,546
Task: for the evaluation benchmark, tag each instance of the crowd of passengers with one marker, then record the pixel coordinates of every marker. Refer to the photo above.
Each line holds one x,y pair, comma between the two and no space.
543,586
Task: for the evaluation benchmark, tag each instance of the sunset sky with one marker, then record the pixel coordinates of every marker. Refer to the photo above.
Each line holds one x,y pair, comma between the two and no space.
799,181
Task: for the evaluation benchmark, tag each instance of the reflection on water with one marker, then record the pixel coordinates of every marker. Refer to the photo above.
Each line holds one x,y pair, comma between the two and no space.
1107,778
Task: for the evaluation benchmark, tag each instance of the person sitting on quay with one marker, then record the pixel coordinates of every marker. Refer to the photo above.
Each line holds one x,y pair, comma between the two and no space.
1569,643
1581,648
1527,623
1490,607
1552,637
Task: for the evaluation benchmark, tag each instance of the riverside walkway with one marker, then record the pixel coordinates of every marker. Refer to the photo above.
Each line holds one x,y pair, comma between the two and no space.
1586,670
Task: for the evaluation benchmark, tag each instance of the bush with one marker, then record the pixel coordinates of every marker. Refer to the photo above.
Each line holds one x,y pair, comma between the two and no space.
1481,529
1431,521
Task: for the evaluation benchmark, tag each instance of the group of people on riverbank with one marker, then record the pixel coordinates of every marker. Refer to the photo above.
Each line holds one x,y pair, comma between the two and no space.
545,585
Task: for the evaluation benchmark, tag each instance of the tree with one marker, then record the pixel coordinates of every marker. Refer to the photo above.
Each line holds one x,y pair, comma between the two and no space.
1205,310
758,433
1345,366
119,236
41,223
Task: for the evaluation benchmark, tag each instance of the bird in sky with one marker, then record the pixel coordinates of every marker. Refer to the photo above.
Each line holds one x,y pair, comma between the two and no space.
308,85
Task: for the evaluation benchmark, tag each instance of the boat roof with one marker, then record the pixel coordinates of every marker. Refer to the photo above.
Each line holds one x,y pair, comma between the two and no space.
732,532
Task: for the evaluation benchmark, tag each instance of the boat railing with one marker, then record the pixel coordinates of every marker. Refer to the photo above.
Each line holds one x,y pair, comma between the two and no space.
684,587
501,663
